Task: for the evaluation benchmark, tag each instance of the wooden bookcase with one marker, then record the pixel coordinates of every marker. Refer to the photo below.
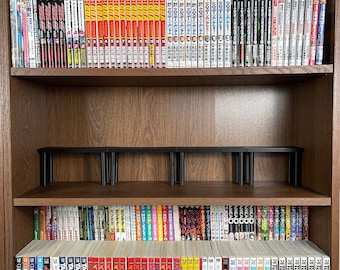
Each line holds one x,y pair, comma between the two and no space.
262,106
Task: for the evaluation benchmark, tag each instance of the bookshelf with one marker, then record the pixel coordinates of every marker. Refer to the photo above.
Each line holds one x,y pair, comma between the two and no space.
260,106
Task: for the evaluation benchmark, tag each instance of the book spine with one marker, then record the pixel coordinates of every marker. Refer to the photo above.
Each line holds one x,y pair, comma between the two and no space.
154,222
181,33
213,33
241,26
68,29
263,10
14,34
140,34
255,38
117,33
194,34
188,33
157,18
314,32
293,223
30,34
55,33
299,223
129,39
152,33
227,33
163,31
207,33
220,33
269,25
62,34
276,222
160,223
286,30
321,33
293,32
138,223
143,222
274,36
235,33
88,32
280,32
248,60
300,27
165,221
305,222
82,35
100,33
36,35
148,221
169,34
288,221
259,222
270,222
282,223
200,33
146,30
307,32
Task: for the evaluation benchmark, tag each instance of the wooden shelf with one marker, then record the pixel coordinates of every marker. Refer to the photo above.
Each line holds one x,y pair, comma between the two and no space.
193,193
171,77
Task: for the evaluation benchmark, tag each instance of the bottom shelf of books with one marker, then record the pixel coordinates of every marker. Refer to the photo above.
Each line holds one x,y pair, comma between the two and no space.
215,255
171,237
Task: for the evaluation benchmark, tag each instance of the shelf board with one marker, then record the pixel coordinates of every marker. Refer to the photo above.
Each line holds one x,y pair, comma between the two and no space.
171,76
150,192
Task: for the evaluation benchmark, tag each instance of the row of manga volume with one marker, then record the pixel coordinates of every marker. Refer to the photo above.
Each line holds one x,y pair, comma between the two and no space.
171,223
195,255
166,33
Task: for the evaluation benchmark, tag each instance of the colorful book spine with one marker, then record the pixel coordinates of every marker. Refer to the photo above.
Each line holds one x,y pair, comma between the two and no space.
157,19
152,33
288,220
321,33
68,29
146,30
154,222
148,223
160,230
140,34
56,34
82,36
314,32
163,51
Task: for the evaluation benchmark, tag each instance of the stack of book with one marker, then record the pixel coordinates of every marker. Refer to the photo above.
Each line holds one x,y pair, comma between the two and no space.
166,33
171,223
213,255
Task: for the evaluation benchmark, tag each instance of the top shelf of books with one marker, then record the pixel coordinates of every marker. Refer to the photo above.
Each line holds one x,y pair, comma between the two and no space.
179,34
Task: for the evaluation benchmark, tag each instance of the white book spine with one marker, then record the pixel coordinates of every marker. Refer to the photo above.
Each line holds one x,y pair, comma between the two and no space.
241,33
248,61
36,35
75,33
307,32
169,34
299,37
214,33
274,38
175,32
200,33
82,37
293,32
181,33
207,33
14,33
227,33
235,34
263,32
255,37
220,33
188,33
280,31
287,26
194,33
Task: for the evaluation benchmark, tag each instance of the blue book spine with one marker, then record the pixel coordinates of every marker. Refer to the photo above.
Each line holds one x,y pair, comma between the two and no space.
321,33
